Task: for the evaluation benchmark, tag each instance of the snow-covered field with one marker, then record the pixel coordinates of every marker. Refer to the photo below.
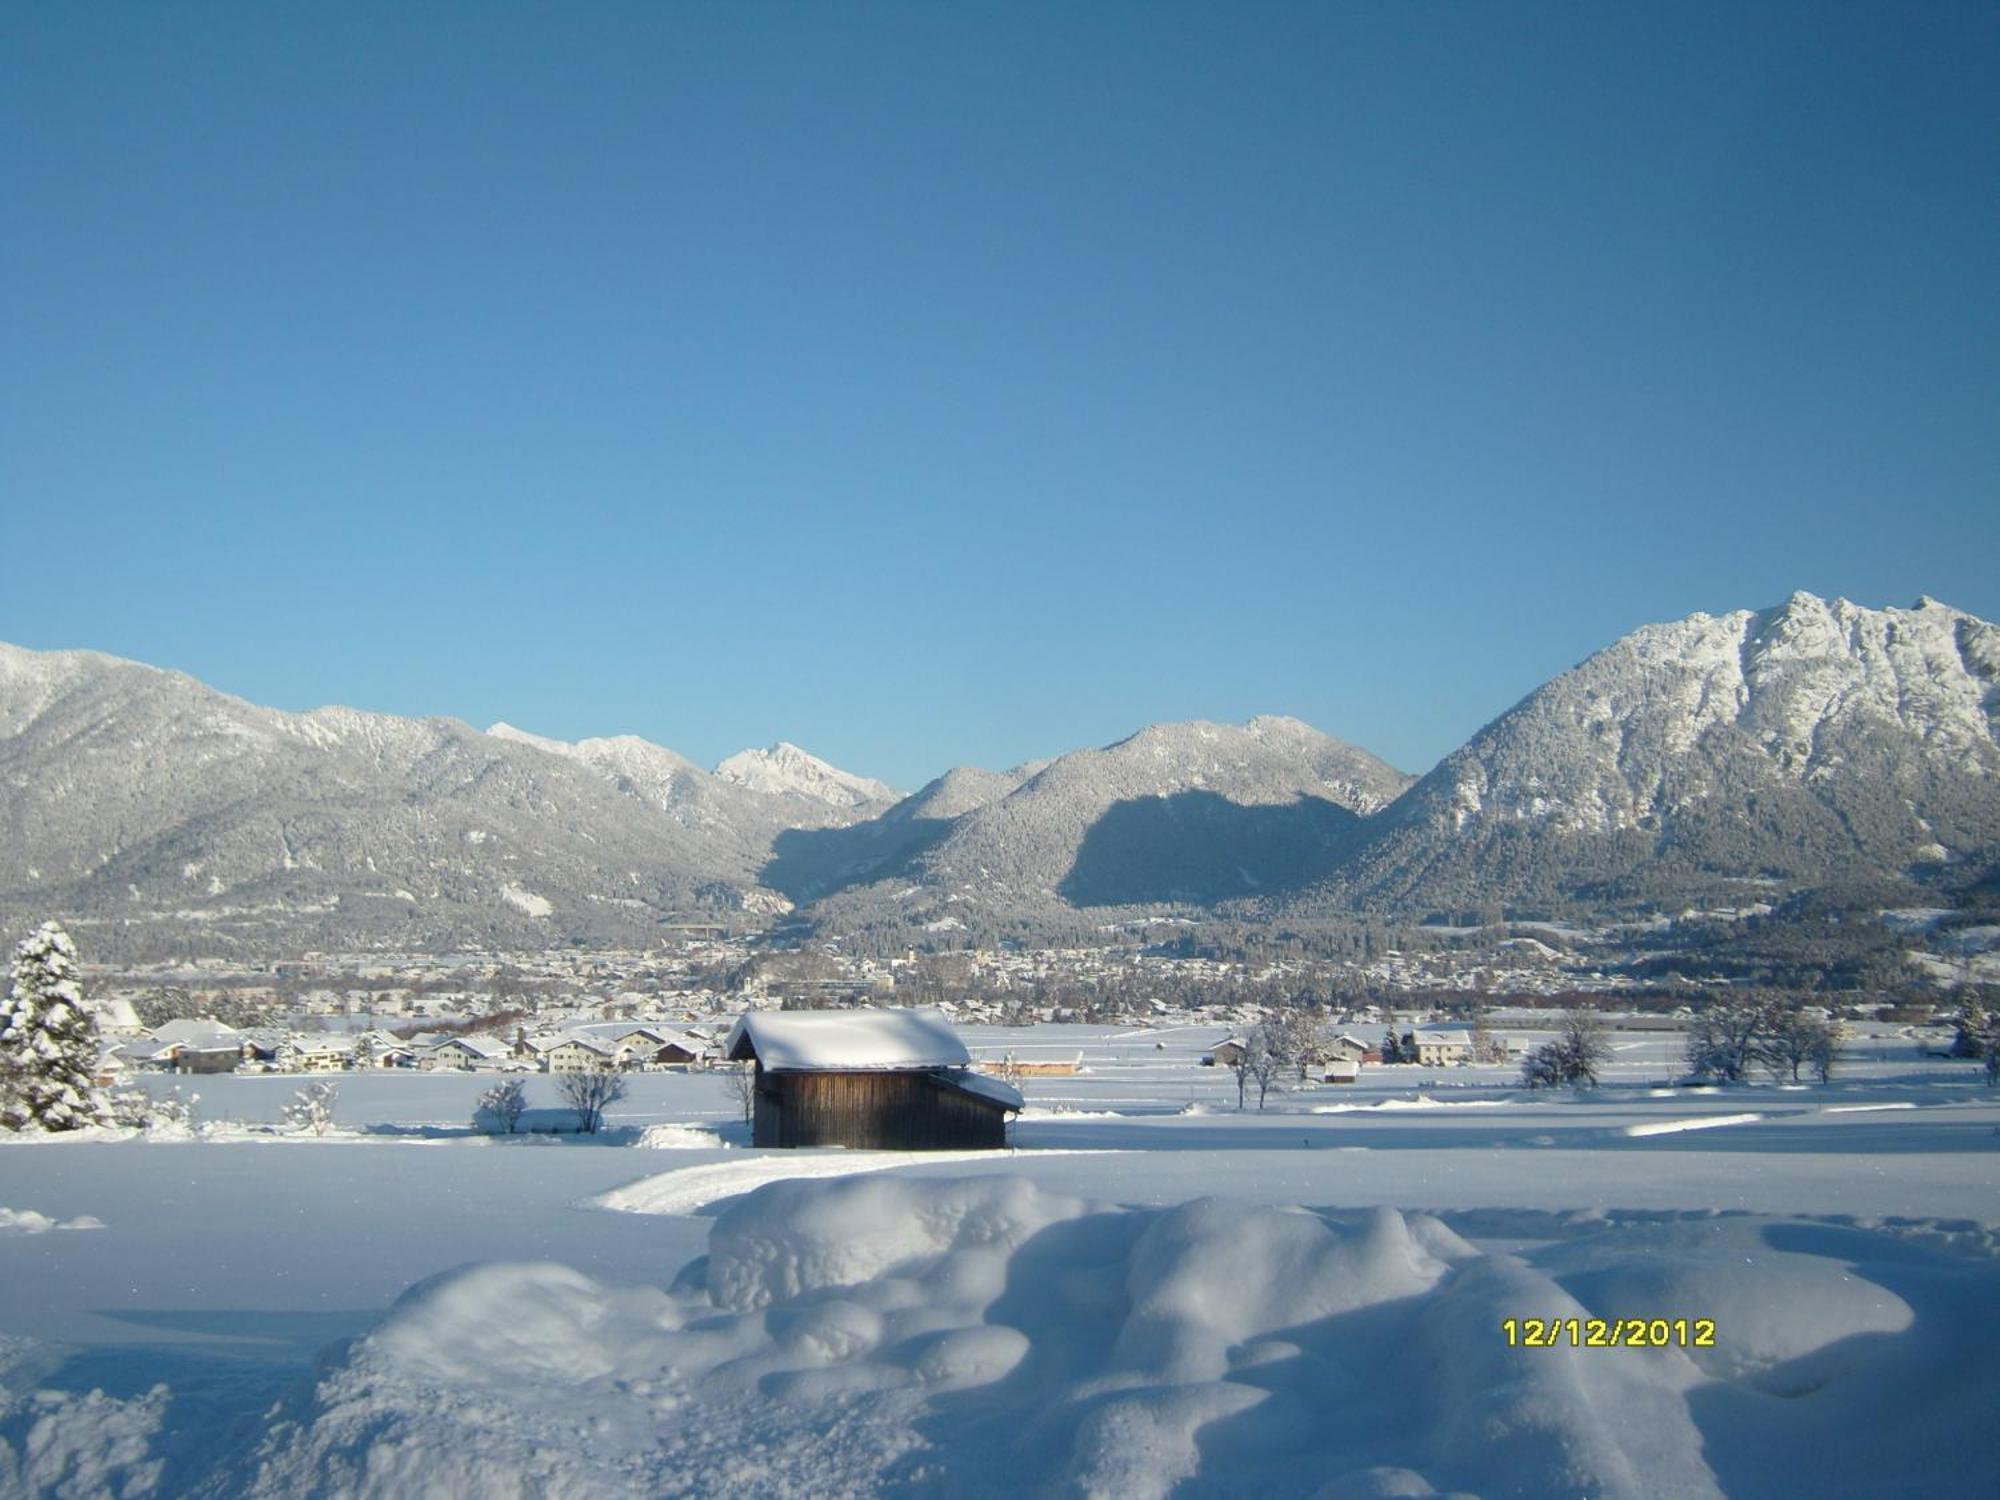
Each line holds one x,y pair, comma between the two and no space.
1153,1294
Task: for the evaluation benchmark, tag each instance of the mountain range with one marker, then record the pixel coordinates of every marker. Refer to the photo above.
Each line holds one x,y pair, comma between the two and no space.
1814,742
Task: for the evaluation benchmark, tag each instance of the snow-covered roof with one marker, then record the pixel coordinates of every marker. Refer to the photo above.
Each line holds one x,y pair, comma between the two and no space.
1443,1036
980,1086
114,1011
478,1046
327,1043
793,1041
198,1035
614,1032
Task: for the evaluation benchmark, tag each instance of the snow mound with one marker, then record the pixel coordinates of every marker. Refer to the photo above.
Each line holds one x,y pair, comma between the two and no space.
797,1237
1774,1306
1699,1122
1421,1101
989,1337
681,1138
688,1190
60,1444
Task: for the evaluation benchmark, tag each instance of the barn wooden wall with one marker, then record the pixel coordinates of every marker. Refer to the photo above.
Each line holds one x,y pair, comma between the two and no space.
878,1111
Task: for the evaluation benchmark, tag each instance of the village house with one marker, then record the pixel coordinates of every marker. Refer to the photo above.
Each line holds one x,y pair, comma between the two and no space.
661,1049
189,1046
469,1052
316,1052
382,1049
576,1054
1226,1054
1442,1046
878,1079
109,1071
1028,1062
1350,1048
643,1046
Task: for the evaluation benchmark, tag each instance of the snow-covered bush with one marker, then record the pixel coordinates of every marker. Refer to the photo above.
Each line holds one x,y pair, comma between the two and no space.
312,1108
500,1108
137,1109
1573,1059
48,1041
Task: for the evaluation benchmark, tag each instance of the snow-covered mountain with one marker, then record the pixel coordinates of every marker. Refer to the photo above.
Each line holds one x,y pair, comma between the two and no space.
785,770
808,863
1815,741
1177,812
143,800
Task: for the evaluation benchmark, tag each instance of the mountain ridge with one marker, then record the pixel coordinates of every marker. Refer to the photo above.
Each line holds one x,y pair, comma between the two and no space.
1813,742
1760,744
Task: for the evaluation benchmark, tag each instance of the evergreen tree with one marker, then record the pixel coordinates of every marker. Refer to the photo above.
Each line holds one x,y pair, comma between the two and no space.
48,1041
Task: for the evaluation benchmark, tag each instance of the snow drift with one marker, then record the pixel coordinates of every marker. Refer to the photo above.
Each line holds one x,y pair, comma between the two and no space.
984,1336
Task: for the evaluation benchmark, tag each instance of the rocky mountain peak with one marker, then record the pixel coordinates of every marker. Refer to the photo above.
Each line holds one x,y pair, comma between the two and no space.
787,771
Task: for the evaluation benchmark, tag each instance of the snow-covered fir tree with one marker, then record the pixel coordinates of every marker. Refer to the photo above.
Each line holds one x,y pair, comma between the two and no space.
48,1041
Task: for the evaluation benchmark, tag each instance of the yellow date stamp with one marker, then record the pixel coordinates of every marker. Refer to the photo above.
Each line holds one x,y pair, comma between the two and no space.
1608,1333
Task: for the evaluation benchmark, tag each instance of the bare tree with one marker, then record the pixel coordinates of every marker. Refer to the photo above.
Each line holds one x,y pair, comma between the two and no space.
1723,1041
1794,1040
740,1081
1239,1068
589,1092
1264,1058
501,1107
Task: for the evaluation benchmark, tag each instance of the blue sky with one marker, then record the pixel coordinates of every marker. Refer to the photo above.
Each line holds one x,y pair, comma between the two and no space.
933,384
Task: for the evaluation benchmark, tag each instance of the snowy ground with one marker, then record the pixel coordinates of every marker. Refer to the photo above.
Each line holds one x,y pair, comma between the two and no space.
235,1314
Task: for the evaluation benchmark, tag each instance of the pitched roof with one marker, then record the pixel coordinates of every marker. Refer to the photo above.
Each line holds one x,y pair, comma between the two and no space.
617,1031
478,1046
839,1041
197,1034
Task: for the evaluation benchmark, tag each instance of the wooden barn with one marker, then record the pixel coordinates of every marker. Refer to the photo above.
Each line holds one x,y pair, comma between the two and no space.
897,1080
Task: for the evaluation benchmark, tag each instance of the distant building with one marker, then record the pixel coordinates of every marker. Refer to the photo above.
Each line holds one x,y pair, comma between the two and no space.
469,1052
1440,1046
881,1079
1029,1062
1352,1049
1226,1054
190,1046
316,1052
